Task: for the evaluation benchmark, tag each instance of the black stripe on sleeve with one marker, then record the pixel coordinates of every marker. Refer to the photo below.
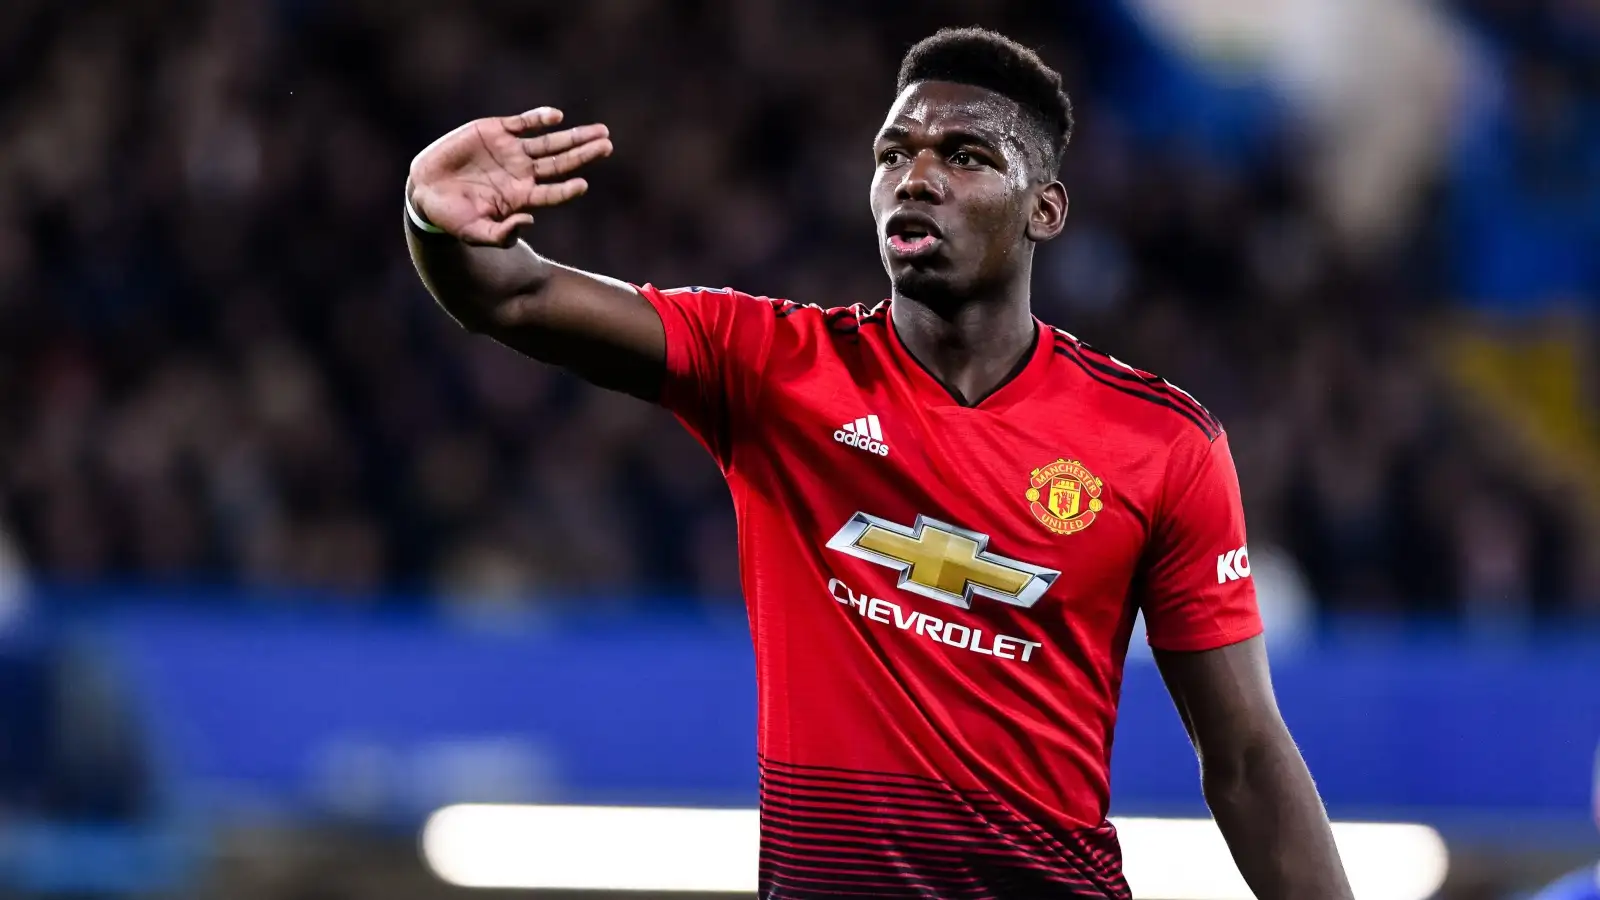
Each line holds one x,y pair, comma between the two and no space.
1108,364
1155,391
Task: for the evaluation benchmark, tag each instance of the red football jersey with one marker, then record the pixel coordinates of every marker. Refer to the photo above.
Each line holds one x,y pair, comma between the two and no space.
941,595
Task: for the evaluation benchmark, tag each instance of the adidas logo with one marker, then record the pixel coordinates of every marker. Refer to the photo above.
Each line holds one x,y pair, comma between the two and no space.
863,434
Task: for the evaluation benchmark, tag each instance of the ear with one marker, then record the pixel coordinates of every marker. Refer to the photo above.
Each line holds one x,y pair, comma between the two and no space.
1049,212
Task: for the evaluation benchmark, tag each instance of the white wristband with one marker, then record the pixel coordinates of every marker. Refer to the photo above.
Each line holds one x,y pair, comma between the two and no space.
418,220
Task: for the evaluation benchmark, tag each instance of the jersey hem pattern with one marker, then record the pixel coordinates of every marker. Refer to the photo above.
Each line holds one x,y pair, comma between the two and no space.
829,831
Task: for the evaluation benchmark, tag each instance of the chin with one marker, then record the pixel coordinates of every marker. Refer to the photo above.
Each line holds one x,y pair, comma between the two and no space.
930,287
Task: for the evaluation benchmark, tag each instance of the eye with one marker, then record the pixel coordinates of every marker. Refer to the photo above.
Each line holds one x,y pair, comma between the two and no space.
890,157
963,158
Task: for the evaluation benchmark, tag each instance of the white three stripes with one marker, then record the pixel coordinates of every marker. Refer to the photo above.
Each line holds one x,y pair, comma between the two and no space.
867,425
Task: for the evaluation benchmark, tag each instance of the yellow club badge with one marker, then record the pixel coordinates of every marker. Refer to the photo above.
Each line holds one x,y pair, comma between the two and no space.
1064,496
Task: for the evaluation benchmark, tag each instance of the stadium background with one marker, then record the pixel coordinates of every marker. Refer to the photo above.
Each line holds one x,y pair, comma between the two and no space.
288,562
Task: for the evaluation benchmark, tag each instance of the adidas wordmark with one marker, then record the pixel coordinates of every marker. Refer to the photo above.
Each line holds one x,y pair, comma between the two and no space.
864,434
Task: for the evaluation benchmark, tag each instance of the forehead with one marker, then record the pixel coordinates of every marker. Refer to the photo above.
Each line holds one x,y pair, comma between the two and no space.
936,106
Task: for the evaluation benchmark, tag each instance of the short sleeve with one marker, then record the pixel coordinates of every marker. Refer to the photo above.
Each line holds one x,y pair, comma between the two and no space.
1195,587
717,342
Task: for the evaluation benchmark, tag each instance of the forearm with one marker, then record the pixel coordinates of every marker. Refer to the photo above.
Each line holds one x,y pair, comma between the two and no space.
467,195
597,327
483,288
1267,807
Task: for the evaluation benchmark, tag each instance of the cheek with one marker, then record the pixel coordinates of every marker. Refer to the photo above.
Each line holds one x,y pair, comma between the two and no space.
1000,222
876,191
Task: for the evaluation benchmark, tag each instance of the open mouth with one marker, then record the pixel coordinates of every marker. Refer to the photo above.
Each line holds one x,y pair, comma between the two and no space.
911,244
910,235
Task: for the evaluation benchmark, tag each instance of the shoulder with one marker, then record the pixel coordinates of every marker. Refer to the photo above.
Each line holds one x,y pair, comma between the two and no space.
1140,399
795,315
835,320
722,298
810,330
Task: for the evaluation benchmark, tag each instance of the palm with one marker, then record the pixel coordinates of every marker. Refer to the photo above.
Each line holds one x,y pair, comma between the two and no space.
481,181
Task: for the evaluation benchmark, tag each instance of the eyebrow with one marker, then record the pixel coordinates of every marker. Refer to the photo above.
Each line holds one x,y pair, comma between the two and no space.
958,136
892,131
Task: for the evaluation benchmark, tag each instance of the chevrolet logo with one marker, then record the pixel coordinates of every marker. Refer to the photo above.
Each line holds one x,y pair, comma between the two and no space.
943,562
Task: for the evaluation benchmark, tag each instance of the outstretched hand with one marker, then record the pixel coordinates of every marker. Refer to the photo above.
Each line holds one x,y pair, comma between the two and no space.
480,182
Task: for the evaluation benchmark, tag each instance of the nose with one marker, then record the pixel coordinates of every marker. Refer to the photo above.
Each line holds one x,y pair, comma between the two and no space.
924,179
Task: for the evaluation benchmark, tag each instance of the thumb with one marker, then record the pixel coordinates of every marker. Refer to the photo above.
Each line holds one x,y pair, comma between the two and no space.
504,233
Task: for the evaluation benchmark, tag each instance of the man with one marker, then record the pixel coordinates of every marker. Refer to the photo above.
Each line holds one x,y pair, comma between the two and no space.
949,512
1583,884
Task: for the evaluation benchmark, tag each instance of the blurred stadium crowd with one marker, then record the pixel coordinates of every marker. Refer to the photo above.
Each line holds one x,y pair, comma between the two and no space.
216,362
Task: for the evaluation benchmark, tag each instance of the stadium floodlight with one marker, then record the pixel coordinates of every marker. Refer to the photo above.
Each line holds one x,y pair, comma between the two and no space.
1187,859
616,848
623,848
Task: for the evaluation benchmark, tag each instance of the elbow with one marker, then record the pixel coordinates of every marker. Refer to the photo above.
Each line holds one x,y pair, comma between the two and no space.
509,313
1226,781
1230,776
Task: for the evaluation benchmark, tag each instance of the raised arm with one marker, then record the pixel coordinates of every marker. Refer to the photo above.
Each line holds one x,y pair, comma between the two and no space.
468,193
1253,776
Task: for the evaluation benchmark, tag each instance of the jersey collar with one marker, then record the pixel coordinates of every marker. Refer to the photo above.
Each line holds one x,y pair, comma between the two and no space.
1017,384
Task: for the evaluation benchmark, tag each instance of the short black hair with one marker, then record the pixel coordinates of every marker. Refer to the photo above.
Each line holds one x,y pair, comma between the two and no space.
990,60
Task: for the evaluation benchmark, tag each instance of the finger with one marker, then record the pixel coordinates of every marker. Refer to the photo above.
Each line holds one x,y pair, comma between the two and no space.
533,119
562,163
560,192
559,141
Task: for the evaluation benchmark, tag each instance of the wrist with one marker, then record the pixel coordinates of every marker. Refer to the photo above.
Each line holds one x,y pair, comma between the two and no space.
416,219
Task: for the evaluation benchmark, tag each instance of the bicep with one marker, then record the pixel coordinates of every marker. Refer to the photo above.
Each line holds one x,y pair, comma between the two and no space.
1224,696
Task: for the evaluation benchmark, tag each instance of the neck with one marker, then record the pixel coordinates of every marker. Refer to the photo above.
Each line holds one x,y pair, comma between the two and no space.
970,344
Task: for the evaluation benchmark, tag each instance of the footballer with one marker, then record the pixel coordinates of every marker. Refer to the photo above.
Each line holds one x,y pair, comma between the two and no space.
949,512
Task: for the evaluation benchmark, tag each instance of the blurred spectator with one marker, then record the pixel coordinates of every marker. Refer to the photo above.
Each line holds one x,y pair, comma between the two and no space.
1525,209
217,363
13,582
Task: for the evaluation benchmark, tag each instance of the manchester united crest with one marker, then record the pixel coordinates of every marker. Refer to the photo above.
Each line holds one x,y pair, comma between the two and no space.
1064,496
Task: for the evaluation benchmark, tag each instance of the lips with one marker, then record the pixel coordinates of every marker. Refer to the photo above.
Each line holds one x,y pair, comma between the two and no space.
909,233
911,246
